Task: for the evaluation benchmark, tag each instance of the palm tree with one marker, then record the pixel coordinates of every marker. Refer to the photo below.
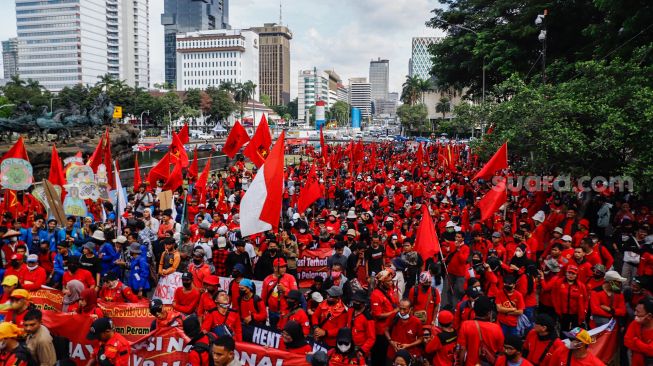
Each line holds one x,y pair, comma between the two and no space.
424,86
443,106
410,90
228,86
105,82
16,81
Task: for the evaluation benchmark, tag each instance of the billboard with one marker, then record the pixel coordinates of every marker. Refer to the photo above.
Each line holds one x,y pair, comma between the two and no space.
320,118
355,118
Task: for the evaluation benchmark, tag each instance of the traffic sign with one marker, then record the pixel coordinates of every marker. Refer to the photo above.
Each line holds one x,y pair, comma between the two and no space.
117,112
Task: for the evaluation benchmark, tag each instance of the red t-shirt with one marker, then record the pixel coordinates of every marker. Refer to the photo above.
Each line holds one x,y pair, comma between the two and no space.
381,304
513,300
186,302
405,332
640,342
536,348
560,359
470,339
81,275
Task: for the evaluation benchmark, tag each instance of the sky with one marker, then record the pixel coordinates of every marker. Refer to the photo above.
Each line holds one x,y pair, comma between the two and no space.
342,35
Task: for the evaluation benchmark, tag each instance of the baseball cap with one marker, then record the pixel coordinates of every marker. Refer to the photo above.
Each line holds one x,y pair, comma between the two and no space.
558,230
19,294
246,282
334,291
186,276
496,234
445,317
212,280
18,256
572,269
279,262
317,358
156,306
32,258
99,326
580,334
566,238
614,276
9,330
317,297
10,280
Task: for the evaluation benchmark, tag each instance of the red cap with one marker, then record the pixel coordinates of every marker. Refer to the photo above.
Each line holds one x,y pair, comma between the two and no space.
212,280
445,317
17,256
572,269
279,262
584,223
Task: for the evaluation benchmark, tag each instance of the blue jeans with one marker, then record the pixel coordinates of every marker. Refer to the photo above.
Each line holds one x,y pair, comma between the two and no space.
508,330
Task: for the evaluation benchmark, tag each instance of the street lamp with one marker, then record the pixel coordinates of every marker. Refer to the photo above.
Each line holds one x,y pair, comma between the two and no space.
148,113
476,33
51,99
540,21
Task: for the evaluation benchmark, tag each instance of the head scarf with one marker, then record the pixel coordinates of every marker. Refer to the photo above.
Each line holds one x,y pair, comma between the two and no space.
90,297
75,289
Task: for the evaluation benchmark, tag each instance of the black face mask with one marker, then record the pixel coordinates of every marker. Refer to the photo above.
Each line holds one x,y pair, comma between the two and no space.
291,304
273,252
242,293
187,285
359,306
332,301
508,288
389,226
197,261
15,263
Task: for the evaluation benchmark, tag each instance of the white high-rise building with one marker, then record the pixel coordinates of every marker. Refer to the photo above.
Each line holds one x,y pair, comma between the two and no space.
420,62
360,96
66,42
313,86
379,78
212,57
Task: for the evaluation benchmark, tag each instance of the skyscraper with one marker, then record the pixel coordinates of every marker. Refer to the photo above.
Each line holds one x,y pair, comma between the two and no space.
182,16
313,86
360,96
274,62
420,62
379,78
64,43
10,57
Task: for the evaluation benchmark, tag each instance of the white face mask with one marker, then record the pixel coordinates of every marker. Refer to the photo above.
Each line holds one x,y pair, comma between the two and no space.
574,345
403,316
344,348
31,268
519,253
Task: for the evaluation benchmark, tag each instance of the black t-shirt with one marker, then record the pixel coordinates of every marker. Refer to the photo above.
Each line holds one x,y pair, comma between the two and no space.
374,259
90,264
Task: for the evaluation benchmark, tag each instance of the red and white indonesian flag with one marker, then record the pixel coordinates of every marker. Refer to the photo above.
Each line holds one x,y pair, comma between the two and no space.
260,208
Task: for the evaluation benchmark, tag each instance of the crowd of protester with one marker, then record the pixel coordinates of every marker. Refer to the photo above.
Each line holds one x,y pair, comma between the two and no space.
549,266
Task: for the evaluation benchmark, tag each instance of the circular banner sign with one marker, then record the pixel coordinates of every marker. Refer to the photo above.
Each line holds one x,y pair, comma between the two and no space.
16,174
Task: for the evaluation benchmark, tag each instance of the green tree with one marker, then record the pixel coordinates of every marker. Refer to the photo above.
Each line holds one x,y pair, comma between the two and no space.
293,108
443,106
5,112
340,112
243,92
188,111
412,117
170,104
266,100
193,98
410,90
222,104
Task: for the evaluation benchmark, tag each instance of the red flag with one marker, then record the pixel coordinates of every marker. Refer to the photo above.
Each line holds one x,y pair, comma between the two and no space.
108,161
499,161
137,174
260,208
222,204
175,180
492,200
98,155
258,148
56,175
177,152
183,134
193,169
11,202
323,147
17,151
426,240
161,171
203,180
311,191
419,156
236,139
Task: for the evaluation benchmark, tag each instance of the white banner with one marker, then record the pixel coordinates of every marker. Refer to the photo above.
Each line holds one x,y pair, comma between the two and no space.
165,290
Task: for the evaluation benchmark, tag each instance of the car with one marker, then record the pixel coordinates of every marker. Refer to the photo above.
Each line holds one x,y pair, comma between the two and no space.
161,148
206,147
399,138
422,139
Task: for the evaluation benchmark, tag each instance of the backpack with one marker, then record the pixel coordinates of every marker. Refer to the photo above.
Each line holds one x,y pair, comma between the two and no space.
23,354
61,347
201,347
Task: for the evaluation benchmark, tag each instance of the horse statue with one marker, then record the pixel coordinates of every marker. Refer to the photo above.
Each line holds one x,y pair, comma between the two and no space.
49,124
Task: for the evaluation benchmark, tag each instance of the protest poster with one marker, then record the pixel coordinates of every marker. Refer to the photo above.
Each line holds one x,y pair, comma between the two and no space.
312,263
165,289
16,174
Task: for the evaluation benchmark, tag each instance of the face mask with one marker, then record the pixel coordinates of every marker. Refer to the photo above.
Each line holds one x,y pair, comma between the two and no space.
595,241
242,292
624,237
574,345
272,251
508,288
15,264
302,231
291,304
197,261
519,253
187,285
358,305
403,316
224,306
344,348
388,226
31,268
332,301
615,288
598,276
477,289
335,274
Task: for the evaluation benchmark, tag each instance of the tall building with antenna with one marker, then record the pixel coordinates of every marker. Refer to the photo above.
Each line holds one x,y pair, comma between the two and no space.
274,60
